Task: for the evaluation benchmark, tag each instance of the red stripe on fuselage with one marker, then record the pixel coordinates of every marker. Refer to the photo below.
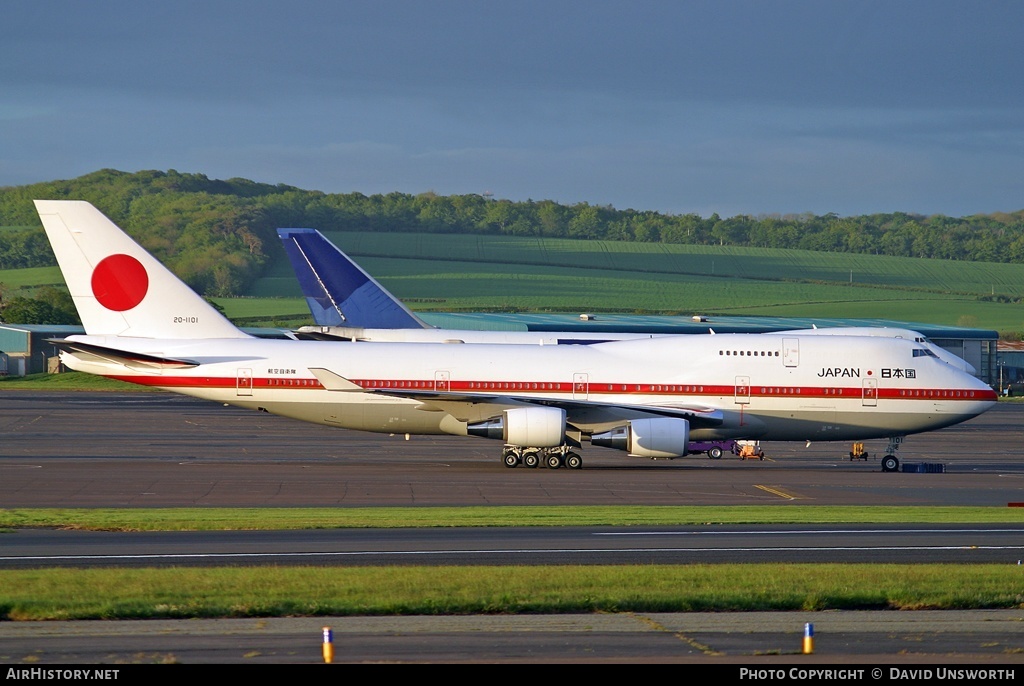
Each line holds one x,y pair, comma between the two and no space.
588,389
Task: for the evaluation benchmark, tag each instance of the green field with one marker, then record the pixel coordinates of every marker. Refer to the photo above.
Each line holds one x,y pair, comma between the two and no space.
31,277
495,273
974,278
465,273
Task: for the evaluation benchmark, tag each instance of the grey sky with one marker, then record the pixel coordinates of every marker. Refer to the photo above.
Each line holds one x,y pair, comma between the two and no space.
732,107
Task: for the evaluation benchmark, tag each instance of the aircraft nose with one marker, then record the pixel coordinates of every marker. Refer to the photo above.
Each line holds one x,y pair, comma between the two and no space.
982,395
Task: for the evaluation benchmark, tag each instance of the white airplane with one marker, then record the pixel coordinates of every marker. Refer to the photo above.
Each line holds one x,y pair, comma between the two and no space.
347,303
648,397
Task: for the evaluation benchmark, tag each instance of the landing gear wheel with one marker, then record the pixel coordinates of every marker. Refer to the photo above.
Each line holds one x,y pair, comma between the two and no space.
890,463
715,453
510,459
531,459
554,461
573,461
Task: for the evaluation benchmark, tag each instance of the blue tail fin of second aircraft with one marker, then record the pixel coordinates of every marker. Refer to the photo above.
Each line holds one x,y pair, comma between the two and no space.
337,290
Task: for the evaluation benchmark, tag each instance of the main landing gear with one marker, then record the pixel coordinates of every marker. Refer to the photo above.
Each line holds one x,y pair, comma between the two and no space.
552,458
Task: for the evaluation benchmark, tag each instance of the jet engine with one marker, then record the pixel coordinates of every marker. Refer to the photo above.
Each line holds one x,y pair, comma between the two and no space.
536,427
656,437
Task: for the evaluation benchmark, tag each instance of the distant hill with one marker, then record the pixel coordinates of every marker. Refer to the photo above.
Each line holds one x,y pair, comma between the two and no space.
219,234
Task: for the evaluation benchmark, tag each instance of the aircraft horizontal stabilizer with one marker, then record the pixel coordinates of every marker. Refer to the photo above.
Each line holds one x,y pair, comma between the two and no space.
91,352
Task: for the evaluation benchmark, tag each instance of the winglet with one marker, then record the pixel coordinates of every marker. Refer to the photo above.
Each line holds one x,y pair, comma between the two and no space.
337,290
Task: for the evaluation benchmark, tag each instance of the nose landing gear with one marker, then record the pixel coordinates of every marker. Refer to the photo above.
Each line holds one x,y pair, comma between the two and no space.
891,463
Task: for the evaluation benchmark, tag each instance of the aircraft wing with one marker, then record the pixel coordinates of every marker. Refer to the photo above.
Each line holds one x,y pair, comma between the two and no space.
586,412
579,413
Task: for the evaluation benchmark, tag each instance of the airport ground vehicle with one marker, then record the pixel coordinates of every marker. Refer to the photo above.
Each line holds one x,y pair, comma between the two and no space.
857,452
749,450
713,449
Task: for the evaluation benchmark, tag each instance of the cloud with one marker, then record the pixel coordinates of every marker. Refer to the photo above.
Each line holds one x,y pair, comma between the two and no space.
741,106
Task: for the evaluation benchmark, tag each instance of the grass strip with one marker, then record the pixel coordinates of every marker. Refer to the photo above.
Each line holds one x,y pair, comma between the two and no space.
223,519
68,381
64,594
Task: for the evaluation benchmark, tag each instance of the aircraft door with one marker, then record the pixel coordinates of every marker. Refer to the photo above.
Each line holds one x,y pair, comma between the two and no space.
243,382
442,381
869,393
791,352
580,386
742,390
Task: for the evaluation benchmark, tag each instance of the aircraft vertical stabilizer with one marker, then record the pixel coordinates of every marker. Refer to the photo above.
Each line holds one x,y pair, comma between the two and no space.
118,287
338,291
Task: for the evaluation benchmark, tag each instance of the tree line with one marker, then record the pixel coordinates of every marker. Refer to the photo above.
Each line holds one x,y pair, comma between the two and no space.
219,235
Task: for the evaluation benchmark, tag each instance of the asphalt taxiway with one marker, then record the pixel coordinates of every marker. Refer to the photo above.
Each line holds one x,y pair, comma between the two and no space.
161,450
990,639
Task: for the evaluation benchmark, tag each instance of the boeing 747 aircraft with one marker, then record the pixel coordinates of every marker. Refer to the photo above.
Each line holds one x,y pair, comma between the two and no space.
648,397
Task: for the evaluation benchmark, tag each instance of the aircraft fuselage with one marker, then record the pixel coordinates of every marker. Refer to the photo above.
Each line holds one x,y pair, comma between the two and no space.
819,388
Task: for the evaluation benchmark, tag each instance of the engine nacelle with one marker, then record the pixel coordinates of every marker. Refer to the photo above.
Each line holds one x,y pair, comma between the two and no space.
656,437
532,427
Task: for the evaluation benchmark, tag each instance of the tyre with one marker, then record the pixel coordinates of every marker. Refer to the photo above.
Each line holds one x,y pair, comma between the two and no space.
715,453
510,459
573,461
554,461
890,463
531,459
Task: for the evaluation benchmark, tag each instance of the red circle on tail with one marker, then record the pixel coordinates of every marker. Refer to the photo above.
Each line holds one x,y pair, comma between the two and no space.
119,282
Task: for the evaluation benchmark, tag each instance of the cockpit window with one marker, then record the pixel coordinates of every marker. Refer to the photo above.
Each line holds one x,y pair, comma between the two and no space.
922,352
